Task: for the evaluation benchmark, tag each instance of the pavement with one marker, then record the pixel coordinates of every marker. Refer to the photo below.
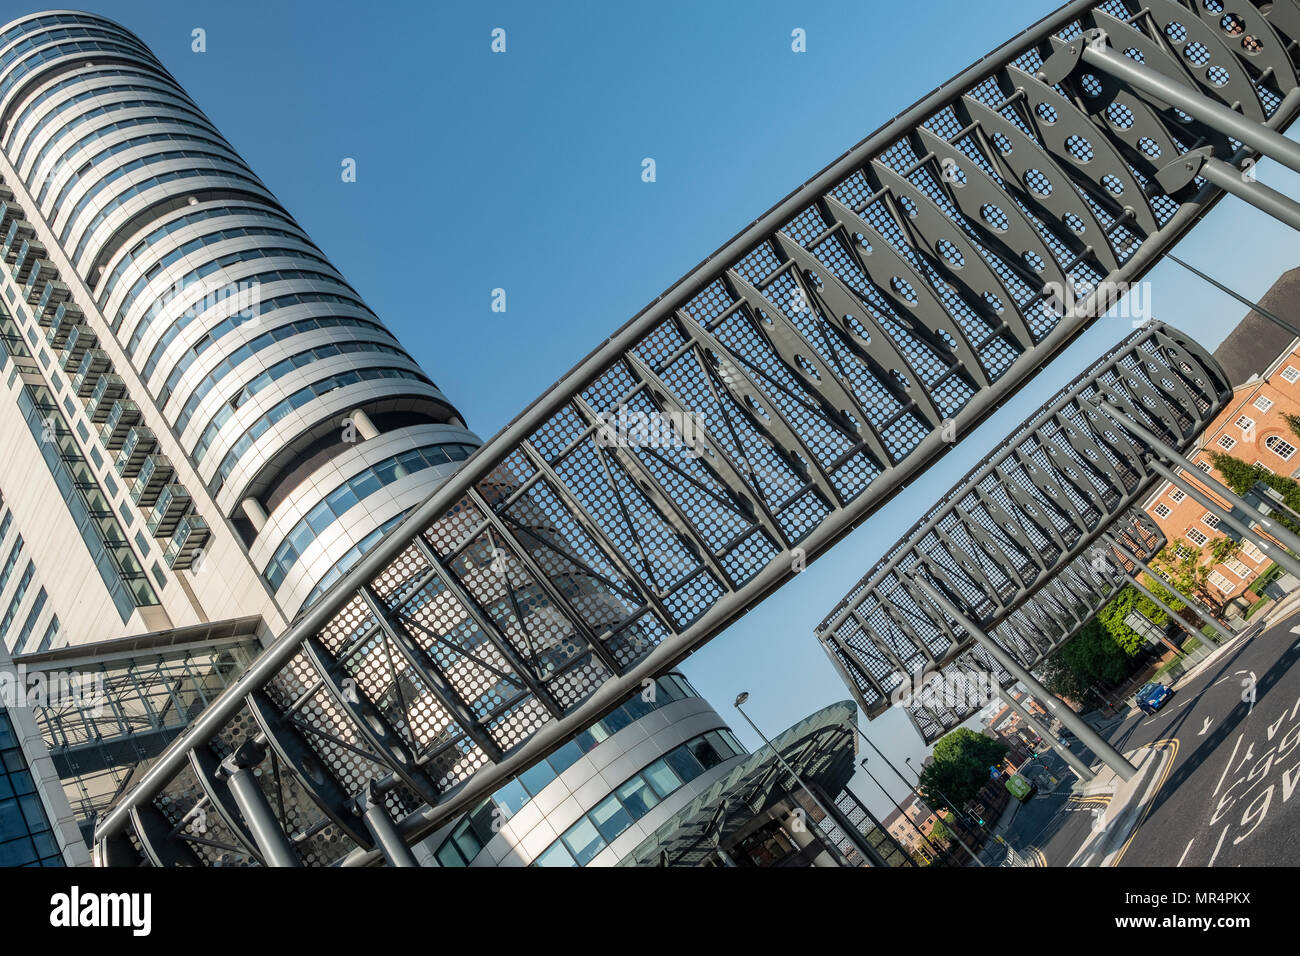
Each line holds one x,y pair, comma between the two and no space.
1218,770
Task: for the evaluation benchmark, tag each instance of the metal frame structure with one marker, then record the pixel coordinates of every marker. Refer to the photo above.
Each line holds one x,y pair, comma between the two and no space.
1015,543
808,369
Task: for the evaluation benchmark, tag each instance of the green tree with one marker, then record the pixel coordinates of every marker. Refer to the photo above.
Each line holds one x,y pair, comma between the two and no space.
940,833
961,763
1103,651
1188,568
1240,476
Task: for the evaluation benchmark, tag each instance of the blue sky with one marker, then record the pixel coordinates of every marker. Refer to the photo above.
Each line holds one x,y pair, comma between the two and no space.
522,171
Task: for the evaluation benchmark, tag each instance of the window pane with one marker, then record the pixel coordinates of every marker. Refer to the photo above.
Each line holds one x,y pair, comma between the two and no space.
662,777
583,841
555,855
686,766
610,817
705,752
566,756
536,777
637,797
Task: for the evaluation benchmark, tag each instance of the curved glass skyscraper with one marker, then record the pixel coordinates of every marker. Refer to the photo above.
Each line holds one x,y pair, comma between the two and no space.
242,401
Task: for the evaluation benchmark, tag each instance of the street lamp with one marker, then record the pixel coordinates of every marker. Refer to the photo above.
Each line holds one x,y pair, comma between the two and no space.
740,699
901,812
956,814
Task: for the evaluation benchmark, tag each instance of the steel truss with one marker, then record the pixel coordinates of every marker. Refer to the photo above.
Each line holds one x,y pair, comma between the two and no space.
1015,543
808,370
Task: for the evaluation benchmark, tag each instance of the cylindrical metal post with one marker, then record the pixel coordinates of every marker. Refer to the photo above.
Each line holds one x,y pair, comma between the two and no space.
1081,769
1286,536
1100,56
1201,612
370,804
1072,721
255,808
1271,548
1231,180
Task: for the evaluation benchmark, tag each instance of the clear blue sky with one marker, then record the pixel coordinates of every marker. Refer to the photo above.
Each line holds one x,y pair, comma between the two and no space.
523,171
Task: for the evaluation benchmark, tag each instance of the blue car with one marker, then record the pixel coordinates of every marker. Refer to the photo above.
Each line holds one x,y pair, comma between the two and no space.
1153,696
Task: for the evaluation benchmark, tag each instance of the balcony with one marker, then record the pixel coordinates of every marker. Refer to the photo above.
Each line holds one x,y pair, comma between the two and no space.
29,254
140,441
172,505
190,537
81,338
66,316
41,273
54,293
154,474
121,417
110,389
93,364
19,232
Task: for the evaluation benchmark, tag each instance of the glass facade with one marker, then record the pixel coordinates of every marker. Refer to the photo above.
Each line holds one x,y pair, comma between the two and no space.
90,509
26,838
354,490
635,796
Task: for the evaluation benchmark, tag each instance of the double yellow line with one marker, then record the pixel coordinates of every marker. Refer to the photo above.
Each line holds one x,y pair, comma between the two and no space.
1170,744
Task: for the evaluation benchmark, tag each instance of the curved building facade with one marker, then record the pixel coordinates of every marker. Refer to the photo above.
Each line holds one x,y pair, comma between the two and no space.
603,793
232,375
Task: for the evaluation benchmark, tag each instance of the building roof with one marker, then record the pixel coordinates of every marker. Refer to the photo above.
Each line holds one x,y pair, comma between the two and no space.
1256,342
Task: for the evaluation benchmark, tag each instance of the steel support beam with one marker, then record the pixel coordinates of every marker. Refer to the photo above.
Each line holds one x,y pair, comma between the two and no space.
1081,769
1202,612
256,810
1288,539
1095,51
369,804
1072,721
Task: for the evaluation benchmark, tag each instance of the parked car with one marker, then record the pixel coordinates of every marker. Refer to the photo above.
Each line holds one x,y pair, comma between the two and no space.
1153,696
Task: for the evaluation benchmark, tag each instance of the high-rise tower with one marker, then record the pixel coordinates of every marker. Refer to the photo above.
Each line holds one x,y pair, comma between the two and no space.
202,419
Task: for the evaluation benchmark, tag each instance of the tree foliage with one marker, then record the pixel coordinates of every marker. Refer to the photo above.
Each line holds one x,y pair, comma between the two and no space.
961,763
1240,476
1103,651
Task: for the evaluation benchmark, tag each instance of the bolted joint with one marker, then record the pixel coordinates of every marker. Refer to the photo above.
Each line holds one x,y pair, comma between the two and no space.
246,756
367,798
1179,177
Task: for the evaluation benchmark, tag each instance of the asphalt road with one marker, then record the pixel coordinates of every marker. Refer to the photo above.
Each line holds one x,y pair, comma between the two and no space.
1232,794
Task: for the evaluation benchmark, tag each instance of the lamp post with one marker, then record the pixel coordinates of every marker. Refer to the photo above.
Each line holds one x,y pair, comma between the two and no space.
826,814
901,812
955,813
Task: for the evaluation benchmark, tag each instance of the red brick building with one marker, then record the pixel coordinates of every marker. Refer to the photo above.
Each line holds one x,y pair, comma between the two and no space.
1263,364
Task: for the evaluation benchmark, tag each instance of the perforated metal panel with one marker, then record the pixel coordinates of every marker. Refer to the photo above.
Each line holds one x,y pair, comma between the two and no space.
1015,542
788,387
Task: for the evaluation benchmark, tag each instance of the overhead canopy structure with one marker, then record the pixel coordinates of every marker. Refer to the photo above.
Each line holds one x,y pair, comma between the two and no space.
1013,543
820,748
764,406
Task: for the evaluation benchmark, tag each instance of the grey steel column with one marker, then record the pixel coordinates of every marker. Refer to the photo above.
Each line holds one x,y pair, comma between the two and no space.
1270,548
370,804
1182,172
1081,769
1072,721
855,836
1098,54
1283,534
1202,613
254,807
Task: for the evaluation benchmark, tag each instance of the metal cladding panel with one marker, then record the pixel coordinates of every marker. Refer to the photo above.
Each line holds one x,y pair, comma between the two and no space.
1013,543
765,405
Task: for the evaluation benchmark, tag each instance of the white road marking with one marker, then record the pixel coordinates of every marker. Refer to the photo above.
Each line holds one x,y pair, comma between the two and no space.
1205,727
1217,845
1228,764
1189,846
